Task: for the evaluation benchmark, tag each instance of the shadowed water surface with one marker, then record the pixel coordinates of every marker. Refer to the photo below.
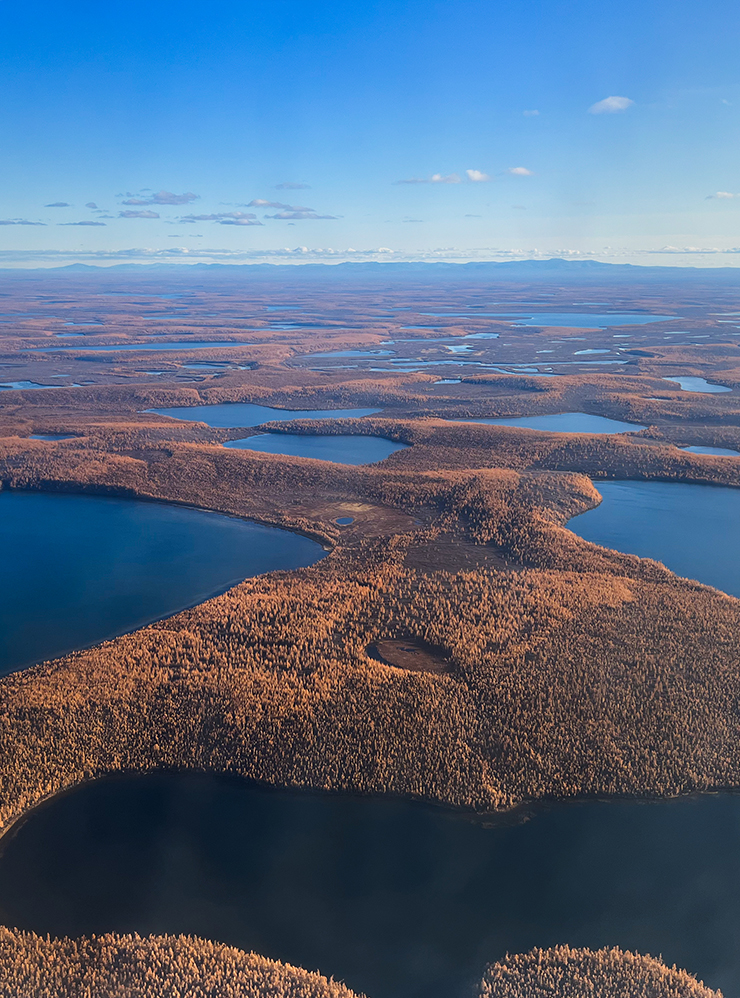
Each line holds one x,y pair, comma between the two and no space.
157,345
398,899
340,448
564,422
79,569
230,414
692,529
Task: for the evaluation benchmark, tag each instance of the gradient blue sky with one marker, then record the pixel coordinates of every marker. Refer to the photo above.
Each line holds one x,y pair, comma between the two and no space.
107,103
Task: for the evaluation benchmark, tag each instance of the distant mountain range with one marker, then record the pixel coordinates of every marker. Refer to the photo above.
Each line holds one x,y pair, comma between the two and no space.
561,271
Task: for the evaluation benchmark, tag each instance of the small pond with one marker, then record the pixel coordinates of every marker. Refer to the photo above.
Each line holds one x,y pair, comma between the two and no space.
79,569
24,385
564,422
339,448
51,436
398,899
692,529
230,414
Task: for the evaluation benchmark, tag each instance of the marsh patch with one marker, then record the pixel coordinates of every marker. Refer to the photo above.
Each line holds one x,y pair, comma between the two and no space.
410,654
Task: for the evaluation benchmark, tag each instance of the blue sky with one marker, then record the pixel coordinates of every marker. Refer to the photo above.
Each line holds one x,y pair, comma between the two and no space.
157,112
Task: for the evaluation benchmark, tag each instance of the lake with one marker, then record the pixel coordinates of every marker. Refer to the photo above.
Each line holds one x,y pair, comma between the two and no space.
25,385
227,415
79,569
339,448
582,320
155,345
716,451
692,529
398,899
699,385
563,422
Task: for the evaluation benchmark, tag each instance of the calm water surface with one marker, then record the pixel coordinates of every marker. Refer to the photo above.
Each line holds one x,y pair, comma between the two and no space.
717,451
692,529
230,414
699,385
398,899
157,345
339,448
564,422
583,320
79,569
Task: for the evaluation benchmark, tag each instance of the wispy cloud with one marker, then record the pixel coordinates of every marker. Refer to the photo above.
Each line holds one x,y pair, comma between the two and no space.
721,196
224,218
436,178
289,212
301,214
88,222
92,205
261,203
696,250
58,204
19,221
530,114
477,177
520,171
289,186
137,214
164,198
611,105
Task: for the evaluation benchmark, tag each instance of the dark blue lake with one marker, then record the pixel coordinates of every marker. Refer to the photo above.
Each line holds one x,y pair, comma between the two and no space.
156,345
692,529
230,414
79,569
564,422
398,899
339,448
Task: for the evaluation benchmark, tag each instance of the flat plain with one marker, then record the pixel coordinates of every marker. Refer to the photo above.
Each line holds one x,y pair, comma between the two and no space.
458,644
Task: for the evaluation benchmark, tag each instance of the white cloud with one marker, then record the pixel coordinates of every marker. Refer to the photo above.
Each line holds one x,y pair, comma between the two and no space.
477,177
520,171
722,196
530,114
611,105
18,221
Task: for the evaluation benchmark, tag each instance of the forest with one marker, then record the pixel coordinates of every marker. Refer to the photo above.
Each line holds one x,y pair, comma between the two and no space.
457,644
